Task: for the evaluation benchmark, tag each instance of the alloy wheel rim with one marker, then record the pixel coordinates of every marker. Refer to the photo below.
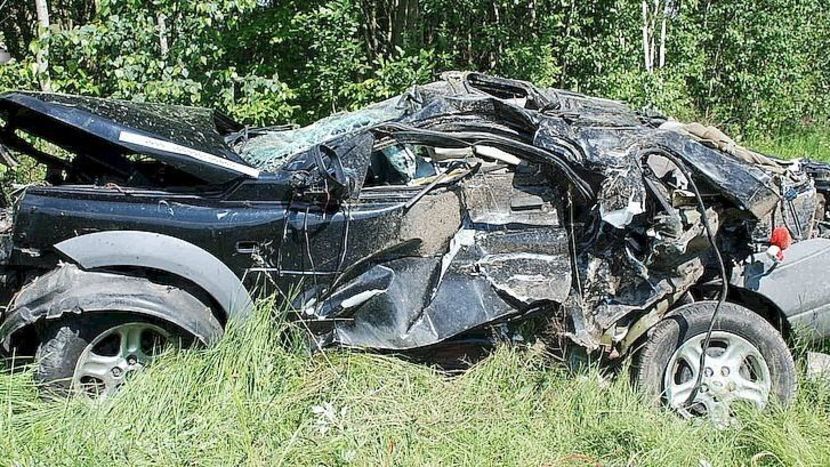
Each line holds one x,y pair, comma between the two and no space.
734,371
115,355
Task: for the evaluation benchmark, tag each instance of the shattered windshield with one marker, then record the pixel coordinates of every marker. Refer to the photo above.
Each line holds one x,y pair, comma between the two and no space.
270,150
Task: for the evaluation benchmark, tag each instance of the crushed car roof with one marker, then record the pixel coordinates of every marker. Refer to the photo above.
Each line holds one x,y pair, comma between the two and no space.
593,134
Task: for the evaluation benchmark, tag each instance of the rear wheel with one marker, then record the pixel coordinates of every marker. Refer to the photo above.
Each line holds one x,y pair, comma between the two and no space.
747,361
96,353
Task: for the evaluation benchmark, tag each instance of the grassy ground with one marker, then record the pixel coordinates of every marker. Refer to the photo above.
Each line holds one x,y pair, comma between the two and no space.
813,143
249,401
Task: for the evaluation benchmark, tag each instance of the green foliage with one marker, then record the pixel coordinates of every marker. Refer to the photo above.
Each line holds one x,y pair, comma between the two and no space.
119,54
390,76
760,70
810,142
16,75
757,68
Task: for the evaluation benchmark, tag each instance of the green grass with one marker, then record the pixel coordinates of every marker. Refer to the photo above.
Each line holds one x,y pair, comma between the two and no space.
251,401
813,143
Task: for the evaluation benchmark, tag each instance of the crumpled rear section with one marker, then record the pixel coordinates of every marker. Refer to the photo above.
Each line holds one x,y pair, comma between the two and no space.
568,204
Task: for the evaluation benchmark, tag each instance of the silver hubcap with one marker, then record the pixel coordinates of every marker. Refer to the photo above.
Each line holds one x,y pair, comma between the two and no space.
734,370
109,360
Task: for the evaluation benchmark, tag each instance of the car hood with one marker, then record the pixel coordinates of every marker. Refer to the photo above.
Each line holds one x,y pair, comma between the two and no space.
191,139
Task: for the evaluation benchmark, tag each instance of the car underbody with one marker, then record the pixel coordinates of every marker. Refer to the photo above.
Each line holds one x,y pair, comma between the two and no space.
445,215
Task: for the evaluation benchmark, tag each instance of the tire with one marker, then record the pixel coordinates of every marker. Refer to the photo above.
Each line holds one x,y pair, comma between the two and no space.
65,341
765,366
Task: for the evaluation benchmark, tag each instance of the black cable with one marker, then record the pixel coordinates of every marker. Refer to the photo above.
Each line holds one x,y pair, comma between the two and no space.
665,152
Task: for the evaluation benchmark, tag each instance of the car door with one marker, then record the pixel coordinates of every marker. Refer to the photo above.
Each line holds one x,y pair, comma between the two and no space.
302,252
434,251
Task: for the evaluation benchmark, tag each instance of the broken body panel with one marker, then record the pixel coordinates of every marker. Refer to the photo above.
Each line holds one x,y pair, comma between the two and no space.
459,205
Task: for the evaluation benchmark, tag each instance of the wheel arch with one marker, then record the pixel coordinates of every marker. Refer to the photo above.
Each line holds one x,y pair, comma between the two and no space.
148,250
763,306
70,290
749,299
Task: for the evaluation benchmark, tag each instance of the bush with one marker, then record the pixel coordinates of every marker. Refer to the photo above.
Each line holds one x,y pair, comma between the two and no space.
757,68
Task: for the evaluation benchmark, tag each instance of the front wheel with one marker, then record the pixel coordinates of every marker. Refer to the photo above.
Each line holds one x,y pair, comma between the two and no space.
747,360
95,354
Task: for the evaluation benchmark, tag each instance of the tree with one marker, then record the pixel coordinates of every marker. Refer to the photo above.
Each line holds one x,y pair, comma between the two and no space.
42,9
42,56
752,66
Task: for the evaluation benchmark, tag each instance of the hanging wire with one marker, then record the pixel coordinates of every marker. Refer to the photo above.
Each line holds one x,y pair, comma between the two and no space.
665,152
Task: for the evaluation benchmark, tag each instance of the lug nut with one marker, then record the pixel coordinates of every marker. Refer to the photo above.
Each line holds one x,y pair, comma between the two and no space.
708,372
724,371
131,360
116,372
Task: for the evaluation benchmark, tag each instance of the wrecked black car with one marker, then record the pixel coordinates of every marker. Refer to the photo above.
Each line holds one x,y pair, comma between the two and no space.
432,223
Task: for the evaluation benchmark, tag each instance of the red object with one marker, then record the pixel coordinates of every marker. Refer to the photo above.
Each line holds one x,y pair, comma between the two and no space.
782,239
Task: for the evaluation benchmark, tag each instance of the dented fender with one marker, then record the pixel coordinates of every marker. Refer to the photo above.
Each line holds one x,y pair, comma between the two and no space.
163,253
69,289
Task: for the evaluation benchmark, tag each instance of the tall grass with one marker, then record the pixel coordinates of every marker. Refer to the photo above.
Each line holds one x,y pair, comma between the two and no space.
253,401
811,142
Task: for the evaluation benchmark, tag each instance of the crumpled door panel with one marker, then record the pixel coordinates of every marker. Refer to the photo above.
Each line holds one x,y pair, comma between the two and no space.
506,254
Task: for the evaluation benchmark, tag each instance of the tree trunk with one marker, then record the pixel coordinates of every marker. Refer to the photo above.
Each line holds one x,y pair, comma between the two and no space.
371,27
646,55
42,13
403,15
42,57
532,8
161,18
494,57
4,56
652,28
663,42
563,74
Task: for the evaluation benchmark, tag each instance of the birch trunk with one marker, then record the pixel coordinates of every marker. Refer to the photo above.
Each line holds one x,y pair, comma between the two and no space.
663,42
161,18
646,41
42,58
42,9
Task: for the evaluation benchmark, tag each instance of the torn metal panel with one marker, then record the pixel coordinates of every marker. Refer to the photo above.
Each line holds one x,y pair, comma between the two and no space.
473,290
374,282
500,197
501,262
750,186
528,277
432,222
